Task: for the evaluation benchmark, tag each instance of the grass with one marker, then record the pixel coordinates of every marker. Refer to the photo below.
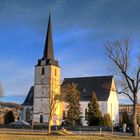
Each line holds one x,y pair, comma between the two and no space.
63,136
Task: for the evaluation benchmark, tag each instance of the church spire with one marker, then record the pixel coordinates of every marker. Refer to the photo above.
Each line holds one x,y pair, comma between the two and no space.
48,50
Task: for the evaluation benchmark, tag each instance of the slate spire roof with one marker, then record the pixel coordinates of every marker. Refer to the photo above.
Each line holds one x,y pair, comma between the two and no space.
48,50
48,53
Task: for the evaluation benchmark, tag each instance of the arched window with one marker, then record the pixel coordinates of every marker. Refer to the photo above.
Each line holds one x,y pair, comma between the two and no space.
41,118
43,71
55,72
86,114
27,117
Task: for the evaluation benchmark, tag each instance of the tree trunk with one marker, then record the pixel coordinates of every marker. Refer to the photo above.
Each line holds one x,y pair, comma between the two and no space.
135,129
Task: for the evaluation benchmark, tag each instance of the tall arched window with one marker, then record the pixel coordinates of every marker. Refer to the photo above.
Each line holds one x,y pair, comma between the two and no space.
41,118
86,114
55,72
27,117
43,71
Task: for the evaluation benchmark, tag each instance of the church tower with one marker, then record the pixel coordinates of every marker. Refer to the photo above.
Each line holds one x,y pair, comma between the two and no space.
47,85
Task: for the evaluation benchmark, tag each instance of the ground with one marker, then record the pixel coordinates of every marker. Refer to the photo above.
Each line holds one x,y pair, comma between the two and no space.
22,135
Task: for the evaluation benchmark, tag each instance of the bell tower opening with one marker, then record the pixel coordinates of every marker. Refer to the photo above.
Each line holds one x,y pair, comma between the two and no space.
43,71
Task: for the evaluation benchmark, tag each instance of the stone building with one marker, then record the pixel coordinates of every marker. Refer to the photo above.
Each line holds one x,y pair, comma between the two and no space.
39,101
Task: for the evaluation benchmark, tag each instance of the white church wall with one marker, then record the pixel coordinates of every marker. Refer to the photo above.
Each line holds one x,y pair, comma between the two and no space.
113,107
103,107
83,108
113,103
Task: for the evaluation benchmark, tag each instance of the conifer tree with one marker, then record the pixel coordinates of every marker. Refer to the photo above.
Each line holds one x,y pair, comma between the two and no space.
73,113
94,114
107,120
126,118
9,117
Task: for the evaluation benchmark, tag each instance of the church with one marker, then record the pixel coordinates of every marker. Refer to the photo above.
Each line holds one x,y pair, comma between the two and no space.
38,104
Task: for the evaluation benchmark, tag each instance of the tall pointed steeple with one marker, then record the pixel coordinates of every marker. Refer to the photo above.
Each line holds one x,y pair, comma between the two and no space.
48,53
48,50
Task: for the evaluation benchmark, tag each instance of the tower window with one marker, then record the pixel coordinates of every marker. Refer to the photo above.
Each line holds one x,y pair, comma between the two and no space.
55,72
86,114
43,71
41,118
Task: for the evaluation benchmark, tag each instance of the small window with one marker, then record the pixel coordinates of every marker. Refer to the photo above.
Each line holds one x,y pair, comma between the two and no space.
84,90
86,114
41,118
43,71
27,117
55,72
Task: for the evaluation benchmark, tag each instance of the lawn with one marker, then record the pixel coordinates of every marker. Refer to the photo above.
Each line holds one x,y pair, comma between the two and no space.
39,136
27,137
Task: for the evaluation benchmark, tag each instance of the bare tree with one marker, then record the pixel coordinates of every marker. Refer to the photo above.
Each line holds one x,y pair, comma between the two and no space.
54,101
120,52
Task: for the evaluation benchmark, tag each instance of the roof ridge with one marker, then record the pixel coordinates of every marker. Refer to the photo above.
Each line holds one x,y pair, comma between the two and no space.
90,77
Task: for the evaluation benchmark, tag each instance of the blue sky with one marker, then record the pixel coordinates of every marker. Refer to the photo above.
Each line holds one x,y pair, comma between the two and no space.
80,28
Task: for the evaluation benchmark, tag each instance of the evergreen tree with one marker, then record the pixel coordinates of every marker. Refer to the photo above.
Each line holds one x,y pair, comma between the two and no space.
9,117
125,118
73,113
94,114
107,120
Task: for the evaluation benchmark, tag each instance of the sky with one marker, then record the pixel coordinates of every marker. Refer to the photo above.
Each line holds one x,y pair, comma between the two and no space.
80,29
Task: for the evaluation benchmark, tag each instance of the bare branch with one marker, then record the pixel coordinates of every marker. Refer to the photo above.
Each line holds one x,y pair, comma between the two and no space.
119,52
121,92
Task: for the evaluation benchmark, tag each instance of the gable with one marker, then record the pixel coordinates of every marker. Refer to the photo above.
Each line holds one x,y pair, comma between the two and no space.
29,98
